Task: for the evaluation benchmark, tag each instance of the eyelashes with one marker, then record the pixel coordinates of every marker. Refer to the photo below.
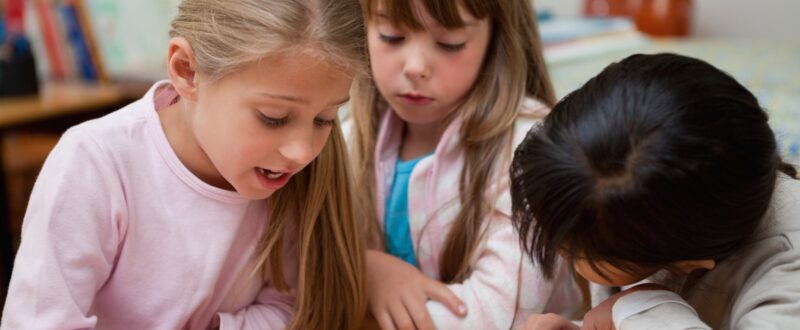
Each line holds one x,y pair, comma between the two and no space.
272,122
452,47
392,40
396,40
324,122
279,122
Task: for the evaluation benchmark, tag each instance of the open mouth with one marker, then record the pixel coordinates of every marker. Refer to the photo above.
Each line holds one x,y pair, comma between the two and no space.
272,179
270,174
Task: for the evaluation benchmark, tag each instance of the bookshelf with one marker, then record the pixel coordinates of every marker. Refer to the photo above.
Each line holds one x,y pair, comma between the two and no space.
99,40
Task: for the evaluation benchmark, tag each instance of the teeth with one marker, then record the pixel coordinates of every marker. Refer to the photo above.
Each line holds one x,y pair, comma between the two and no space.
270,174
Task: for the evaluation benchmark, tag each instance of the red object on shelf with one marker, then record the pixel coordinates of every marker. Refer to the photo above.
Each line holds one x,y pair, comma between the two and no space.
51,31
654,17
14,10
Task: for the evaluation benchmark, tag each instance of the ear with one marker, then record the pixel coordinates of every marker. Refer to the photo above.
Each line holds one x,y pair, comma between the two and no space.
182,68
688,266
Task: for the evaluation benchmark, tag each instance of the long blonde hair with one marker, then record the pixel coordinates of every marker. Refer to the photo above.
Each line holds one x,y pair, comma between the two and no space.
512,70
315,209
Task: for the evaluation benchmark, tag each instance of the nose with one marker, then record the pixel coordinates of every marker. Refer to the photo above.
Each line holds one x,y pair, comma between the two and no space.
416,64
299,147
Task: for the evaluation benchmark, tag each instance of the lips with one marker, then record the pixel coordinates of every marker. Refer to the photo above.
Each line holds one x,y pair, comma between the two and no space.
270,174
272,179
415,99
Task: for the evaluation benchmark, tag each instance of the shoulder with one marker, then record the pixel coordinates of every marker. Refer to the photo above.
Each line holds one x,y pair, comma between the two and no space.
534,108
778,237
783,217
98,151
764,270
768,292
116,134
532,113
119,125
530,118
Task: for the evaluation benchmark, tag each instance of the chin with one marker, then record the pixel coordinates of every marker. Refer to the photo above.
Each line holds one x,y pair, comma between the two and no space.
417,117
255,195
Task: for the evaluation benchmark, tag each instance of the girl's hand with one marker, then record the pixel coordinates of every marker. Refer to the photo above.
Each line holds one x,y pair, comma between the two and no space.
398,293
548,322
600,317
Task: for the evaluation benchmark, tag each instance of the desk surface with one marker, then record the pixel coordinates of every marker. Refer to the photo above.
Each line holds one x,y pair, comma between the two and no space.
61,99
770,69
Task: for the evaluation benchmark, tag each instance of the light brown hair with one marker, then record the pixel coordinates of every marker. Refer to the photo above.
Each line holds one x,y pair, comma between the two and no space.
512,70
315,209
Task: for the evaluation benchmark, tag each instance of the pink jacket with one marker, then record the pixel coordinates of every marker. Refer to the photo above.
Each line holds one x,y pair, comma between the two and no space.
433,202
119,234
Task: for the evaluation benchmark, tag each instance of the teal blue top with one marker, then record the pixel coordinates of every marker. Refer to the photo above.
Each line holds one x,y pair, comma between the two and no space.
395,226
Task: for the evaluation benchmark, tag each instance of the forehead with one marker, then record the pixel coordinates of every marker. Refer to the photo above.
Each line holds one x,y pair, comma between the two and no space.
414,14
295,75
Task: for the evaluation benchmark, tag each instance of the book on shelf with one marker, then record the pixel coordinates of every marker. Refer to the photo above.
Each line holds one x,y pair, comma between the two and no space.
91,42
77,38
49,32
63,41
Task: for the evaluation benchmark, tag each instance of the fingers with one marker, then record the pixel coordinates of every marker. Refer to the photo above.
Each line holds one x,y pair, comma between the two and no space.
385,321
441,293
400,317
419,312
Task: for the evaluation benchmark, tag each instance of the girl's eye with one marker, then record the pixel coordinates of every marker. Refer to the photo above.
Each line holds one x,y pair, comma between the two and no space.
324,122
392,40
452,47
272,122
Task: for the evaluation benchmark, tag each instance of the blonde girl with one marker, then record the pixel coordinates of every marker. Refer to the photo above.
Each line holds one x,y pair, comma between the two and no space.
221,198
454,87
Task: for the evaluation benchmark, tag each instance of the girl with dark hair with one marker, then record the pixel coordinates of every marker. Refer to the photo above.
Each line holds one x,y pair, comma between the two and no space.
663,168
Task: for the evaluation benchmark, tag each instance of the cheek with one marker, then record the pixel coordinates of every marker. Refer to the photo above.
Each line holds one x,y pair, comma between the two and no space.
461,72
587,272
254,151
381,66
247,141
458,81
590,275
320,140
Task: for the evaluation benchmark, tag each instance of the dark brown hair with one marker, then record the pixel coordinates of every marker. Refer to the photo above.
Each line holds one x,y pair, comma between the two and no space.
658,159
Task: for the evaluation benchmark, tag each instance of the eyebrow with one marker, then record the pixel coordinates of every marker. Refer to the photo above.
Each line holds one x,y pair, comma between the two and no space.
300,100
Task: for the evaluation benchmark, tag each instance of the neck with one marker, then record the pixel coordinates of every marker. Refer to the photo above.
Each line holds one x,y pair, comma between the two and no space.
421,139
176,122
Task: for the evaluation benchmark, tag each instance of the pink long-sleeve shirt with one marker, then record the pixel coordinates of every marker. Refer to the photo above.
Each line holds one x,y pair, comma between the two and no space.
119,234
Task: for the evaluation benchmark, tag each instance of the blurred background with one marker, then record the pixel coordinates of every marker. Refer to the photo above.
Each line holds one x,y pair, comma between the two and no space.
729,19
66,61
